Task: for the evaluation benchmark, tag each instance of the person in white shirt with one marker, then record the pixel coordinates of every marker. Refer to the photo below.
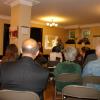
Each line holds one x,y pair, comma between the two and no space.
56,54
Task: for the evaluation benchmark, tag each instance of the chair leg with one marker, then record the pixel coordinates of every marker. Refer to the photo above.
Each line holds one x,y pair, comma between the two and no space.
55,93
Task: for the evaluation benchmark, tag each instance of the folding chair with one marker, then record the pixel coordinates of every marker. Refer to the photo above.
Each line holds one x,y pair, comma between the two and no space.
75,92
51,66
67,77
18,95
91,79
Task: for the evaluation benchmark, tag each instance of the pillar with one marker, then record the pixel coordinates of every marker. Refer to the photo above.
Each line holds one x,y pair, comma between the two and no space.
20,21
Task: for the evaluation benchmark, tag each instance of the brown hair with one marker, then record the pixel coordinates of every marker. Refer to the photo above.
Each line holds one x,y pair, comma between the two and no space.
11,53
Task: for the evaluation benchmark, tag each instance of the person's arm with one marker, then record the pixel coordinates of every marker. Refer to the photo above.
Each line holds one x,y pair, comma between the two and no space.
61,58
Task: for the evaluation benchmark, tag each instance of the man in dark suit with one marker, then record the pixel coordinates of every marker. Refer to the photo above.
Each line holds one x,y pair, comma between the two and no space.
25,74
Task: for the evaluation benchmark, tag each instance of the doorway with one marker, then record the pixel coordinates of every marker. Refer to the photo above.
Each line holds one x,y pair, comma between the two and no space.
36,33
6,37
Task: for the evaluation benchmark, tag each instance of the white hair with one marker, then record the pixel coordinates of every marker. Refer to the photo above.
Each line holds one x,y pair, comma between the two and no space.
70,53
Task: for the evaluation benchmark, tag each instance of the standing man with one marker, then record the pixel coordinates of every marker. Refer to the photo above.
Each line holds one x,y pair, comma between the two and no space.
25,74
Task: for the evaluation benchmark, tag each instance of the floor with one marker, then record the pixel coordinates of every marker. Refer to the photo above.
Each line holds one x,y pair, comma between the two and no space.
49,93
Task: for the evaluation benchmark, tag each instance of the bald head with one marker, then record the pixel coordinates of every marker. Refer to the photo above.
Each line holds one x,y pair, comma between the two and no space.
30,46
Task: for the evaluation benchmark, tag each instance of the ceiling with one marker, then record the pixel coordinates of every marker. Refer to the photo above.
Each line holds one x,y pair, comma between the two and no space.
73,12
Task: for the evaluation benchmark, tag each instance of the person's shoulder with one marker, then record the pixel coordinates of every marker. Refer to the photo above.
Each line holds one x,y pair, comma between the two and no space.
76,64
62,63
52,53
59,53
92,62
7,64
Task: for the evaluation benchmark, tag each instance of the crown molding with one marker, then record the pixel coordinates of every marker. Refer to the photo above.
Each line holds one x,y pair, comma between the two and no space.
72,27
23,2
5,17
90,25
82,26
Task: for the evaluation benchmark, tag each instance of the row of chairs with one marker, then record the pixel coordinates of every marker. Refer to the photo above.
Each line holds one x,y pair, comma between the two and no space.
71,92
79,92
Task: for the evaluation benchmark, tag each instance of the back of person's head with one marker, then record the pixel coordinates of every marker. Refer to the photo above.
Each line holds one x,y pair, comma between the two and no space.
12,48
70,53
85,49
56,49
11,53
30,48
91,51
98,51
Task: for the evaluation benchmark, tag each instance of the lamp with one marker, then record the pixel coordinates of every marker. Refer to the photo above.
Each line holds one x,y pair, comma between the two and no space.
52,23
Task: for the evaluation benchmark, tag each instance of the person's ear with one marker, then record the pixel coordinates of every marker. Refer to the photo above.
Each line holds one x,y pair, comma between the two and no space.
37,53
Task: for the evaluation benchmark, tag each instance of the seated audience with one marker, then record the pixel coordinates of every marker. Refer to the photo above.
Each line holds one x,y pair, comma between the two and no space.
93,68
11,53
25,74
67,66
56,54
79,58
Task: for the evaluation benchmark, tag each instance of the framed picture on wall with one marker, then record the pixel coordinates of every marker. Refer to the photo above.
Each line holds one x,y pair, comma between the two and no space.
71,34
85,37
71,39
85,33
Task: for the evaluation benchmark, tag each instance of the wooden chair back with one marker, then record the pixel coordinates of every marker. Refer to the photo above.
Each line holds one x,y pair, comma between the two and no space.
18,95
80,92
91,79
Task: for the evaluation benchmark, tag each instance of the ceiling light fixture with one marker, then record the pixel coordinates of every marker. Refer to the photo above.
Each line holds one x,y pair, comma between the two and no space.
52,23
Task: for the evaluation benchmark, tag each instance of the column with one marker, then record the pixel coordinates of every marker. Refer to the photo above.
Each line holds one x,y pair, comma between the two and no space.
20,21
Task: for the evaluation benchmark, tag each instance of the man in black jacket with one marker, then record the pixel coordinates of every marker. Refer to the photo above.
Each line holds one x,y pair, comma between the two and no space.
25,74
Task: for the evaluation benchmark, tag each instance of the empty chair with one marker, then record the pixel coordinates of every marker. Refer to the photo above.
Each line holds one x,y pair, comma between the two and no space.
75,92
66,79
18,95
51,66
